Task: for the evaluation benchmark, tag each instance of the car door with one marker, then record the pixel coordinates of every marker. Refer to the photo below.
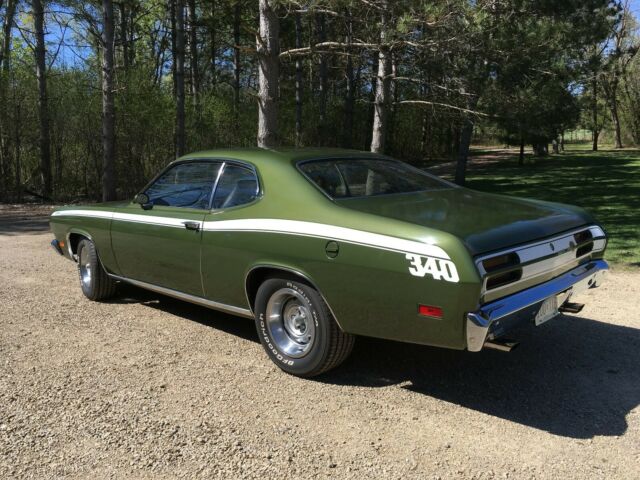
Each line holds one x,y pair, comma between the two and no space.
159,243
226,252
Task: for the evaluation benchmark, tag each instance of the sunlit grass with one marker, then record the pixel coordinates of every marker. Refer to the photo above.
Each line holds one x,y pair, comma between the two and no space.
606,183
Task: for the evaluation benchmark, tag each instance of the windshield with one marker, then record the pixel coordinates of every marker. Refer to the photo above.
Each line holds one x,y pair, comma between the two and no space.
349,177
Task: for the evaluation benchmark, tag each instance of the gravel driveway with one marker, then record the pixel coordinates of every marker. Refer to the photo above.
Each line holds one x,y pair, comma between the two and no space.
149,387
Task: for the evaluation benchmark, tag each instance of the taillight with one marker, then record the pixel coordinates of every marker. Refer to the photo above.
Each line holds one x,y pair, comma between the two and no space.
584,240
502,261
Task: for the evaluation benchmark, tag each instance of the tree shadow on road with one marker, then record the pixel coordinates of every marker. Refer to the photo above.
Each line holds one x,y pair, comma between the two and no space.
21,225
573,377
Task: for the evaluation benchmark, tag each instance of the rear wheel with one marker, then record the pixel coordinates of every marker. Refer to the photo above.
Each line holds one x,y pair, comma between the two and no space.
94,281
297,329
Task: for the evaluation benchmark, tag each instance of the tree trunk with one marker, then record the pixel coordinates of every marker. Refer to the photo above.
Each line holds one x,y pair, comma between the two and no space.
615,118
298,24
5,52
178,59
237,11
381,99
212,40
5,135
174,47
594,113
349,100
108,105
521,156
43,103
17,144
124,36
463,149
541,149
321,26
268,48
194,69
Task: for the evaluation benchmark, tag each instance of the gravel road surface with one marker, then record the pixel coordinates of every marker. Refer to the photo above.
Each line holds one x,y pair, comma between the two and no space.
149,387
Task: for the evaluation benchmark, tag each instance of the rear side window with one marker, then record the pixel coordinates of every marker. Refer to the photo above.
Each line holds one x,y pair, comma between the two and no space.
237,186
187,185
345,178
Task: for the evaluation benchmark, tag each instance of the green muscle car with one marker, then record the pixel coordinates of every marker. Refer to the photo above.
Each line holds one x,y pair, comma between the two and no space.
318,246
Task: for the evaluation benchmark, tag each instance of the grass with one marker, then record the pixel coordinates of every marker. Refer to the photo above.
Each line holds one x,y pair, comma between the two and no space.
606,183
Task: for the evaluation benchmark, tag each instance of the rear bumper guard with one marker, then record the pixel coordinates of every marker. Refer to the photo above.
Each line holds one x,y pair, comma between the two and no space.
526,304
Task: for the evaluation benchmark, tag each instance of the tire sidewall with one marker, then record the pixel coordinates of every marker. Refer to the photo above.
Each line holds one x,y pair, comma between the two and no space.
89,291
297,366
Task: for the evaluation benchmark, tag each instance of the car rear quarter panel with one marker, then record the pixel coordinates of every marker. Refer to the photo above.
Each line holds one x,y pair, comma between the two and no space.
96,229
370,290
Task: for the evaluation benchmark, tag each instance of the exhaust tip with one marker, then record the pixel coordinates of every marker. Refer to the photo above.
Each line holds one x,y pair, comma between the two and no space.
502,345
569,307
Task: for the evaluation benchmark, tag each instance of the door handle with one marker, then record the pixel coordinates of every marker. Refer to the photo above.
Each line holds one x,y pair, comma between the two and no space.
192,225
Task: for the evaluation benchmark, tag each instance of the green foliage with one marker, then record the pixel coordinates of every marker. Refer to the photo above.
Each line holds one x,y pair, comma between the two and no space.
520,61
569,178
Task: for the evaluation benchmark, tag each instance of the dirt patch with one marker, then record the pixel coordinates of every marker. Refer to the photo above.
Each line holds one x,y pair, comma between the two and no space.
149,387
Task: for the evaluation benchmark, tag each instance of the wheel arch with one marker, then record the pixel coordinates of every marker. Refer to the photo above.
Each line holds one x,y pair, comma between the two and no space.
74,237
257,274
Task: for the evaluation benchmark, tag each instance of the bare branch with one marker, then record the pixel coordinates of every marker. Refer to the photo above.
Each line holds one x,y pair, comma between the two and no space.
443,105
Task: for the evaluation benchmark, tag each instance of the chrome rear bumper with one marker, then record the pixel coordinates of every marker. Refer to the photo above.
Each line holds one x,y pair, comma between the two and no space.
526,304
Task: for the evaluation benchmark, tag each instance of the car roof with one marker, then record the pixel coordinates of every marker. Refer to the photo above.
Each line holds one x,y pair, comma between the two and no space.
258,156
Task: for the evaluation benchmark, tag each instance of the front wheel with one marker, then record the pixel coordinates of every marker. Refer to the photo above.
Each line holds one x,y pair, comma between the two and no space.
94,281
297,330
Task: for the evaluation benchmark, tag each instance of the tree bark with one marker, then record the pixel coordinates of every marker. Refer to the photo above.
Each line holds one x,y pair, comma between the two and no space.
178,59
349,100
594,113
124,40
43,101
108,105
237,12
463,149
381,99
321,26
299,87
5,135
212,41
194,69
615,118
268,48
5,52
521,156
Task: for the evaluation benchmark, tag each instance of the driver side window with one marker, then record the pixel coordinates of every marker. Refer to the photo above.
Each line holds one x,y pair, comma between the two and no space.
187,185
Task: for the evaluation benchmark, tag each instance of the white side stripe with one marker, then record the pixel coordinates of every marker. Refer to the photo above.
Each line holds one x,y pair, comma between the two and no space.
332,232
287,227
82,213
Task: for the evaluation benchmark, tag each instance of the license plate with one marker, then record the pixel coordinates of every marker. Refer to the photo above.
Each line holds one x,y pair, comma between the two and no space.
548,310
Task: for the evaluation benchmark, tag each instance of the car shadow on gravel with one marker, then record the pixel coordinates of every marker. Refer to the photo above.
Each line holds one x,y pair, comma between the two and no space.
240,327
573,377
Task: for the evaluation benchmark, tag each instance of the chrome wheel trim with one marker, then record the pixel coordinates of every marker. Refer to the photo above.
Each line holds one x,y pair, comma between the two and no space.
85,268
290,322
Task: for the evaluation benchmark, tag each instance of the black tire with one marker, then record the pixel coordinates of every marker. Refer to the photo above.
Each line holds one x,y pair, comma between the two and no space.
329,345
94,281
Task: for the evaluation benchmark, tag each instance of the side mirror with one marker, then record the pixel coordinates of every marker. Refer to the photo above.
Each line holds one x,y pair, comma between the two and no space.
143,200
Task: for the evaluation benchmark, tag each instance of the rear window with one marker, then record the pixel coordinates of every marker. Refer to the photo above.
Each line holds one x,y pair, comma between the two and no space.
345,178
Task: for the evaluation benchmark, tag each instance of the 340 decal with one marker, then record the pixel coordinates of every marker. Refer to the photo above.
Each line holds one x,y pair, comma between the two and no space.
438,268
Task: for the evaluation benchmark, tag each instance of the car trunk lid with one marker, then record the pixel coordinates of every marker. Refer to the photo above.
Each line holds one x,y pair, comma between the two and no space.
484,222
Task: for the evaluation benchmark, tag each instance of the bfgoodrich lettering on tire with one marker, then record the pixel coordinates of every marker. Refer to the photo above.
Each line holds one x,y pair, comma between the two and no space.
94,281
297,329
